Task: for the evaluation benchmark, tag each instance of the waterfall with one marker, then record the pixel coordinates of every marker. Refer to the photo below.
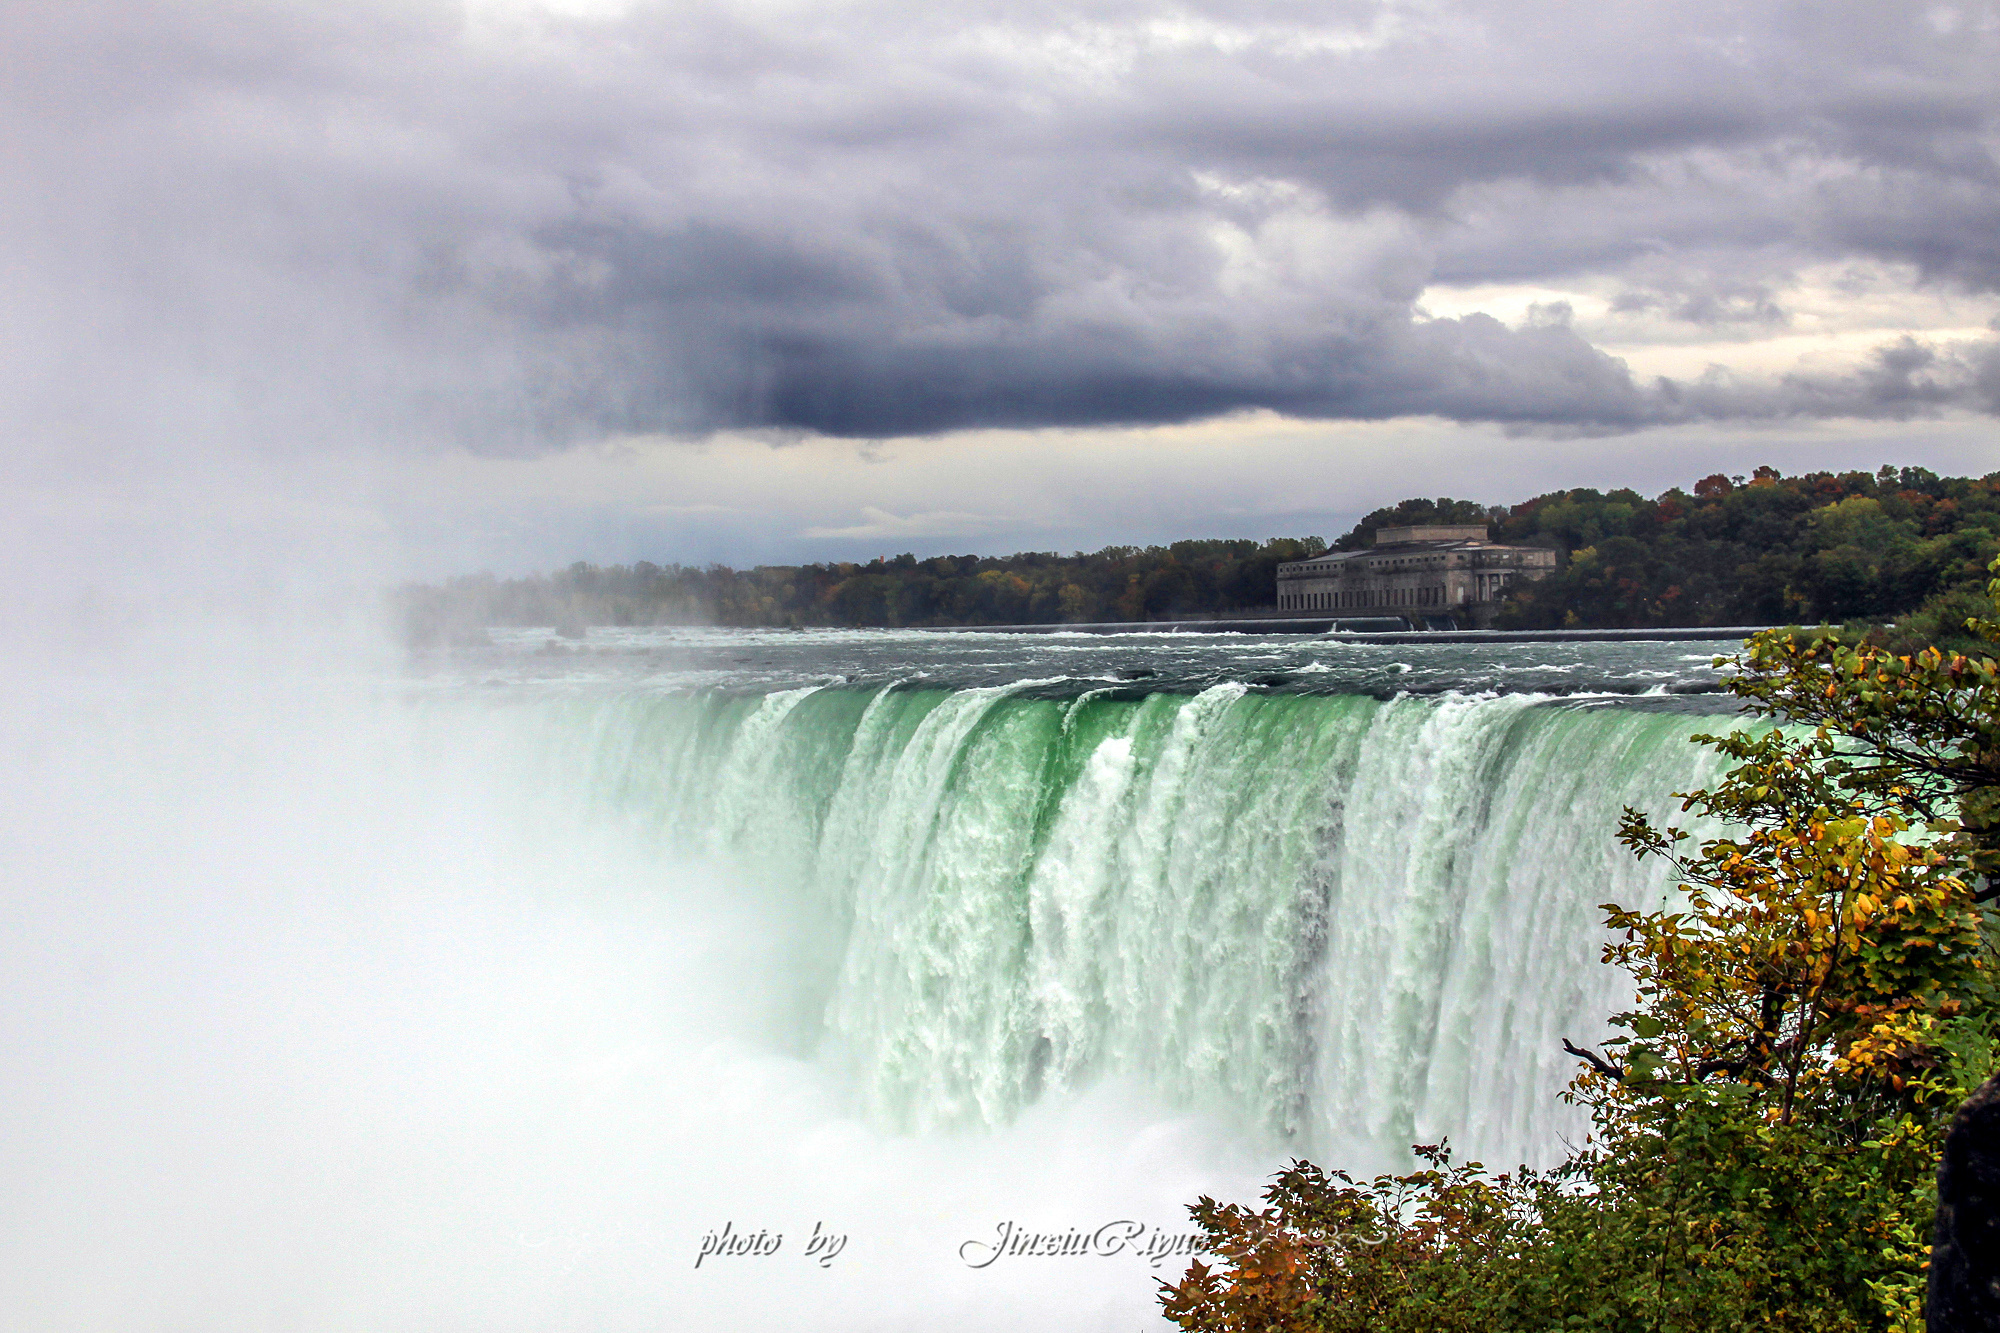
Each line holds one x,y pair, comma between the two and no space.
1348,924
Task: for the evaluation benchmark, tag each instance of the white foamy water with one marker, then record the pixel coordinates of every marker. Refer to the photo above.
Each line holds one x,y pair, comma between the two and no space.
342,1004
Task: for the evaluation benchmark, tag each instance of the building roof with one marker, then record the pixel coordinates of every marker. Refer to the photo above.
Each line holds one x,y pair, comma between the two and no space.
1431,532
1400,548
1333,559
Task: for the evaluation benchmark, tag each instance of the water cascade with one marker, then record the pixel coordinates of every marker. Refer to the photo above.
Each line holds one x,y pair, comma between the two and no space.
1347,924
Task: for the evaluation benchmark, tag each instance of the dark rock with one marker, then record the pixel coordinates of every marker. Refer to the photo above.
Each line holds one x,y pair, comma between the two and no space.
1965,1244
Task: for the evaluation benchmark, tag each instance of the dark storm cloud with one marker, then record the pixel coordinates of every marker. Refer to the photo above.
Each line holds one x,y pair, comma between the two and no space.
515,227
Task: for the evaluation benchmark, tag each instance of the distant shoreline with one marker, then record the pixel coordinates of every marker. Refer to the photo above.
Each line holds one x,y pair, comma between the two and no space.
1325,626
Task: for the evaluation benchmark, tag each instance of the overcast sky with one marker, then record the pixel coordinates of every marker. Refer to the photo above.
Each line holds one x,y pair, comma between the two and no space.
507,283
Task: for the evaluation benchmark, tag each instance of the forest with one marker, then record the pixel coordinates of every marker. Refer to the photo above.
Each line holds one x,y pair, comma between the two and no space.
1765,549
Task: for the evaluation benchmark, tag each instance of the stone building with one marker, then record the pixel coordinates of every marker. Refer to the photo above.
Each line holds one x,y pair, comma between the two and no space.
1426,575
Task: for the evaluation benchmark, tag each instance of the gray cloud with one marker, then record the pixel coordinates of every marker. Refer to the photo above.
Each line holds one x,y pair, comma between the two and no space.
515,228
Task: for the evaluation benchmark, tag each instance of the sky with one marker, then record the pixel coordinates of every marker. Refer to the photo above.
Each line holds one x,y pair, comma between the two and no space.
415,288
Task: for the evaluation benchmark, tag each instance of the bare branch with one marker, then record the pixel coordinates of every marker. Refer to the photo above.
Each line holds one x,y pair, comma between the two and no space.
1597,1062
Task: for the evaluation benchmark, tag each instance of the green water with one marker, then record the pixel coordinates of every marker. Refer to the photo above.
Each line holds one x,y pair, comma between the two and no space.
1337,920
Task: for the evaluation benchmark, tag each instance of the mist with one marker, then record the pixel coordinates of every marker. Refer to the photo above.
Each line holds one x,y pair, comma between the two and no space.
325,1009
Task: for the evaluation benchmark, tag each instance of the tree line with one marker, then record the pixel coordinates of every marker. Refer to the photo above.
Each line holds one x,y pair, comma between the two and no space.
1118,583
1763,549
